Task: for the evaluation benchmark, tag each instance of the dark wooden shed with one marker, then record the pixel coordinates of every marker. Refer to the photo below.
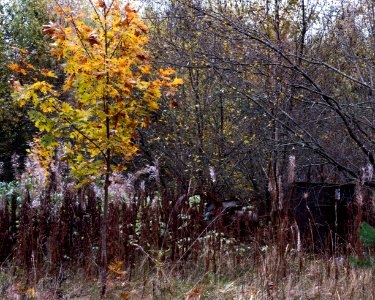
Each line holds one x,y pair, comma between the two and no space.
326,213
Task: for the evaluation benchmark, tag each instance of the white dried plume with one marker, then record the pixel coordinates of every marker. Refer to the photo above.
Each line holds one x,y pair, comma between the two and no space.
15,159
292,169
212,174
299,247
123,187
34,176
280,190
367,173
142,186
358,193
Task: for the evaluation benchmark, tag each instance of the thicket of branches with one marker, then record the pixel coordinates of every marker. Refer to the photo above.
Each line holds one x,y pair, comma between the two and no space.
263,81
266,80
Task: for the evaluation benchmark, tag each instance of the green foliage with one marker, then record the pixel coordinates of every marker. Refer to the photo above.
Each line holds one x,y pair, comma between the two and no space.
362,263
367,234
20,23
7,189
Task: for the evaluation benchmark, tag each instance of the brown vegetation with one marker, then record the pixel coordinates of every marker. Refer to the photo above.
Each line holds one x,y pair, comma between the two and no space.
160,247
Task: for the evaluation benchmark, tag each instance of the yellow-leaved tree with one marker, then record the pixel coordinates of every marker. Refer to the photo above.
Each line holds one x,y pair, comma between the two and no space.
109,91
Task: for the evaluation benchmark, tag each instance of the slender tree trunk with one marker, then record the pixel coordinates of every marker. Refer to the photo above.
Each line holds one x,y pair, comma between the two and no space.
107,182
104,260
194,79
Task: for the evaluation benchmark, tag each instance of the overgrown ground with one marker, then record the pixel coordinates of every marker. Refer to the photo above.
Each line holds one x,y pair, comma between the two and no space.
159,247
271,276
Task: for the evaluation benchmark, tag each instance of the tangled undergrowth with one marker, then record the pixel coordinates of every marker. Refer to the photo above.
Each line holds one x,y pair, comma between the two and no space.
159,247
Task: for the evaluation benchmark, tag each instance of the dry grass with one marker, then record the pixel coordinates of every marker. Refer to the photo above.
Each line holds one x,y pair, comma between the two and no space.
268,277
